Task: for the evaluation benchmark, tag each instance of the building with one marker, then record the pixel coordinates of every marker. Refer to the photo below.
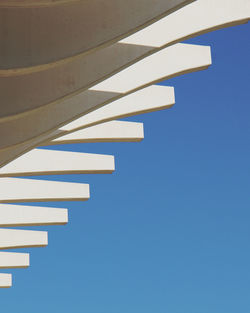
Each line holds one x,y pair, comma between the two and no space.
59,89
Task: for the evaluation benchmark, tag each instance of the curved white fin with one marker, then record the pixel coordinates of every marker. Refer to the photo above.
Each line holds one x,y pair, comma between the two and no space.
30,190
113,131
17,238
5,280
46,162
23,215
14,260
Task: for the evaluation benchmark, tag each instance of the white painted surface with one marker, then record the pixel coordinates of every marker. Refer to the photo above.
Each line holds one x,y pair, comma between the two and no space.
195,18
22,190
14,260
16,238
114,131
23,215
171,61
146,100
45,162
5,280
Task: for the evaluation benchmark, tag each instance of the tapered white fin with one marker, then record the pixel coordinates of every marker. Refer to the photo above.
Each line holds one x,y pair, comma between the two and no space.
17,238
113,131
171,61
14,260
196,18
45,162
146,100
29,190
23,215
5,280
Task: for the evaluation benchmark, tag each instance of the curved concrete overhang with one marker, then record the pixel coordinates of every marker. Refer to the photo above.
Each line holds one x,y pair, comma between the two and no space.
86,106
37,86
178,59
35,33
143,101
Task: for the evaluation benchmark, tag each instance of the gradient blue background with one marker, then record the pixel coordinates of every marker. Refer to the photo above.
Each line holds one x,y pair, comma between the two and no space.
168,232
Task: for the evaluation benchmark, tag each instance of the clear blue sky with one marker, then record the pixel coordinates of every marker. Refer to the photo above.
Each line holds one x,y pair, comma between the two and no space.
169,231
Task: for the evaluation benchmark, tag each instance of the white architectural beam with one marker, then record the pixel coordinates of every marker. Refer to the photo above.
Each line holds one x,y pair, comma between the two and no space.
5,280
14,260
21,215
16,238
46,162
30,190
169,62
194,19
146,100
114,131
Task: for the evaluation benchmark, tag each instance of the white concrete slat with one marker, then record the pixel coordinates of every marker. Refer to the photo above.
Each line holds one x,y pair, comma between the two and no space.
46,162
23,215
142,101
5,280
14,260
113,131
171,61
17,238
14,190
194,19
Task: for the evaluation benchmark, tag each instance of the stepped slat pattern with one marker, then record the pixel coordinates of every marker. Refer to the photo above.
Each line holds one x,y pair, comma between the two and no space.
71,84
